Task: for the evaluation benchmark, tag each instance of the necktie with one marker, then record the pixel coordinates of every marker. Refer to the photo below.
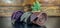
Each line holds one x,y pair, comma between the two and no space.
25,16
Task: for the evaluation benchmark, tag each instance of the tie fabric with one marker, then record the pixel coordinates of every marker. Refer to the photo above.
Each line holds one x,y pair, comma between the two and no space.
16,15
34,16
25,16
40,18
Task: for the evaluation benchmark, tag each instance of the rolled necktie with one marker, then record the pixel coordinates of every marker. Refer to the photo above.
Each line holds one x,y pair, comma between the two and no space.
40,17
25,16
16,15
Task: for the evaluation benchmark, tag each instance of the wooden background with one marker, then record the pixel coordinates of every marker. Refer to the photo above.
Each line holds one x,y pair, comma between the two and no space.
51,7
